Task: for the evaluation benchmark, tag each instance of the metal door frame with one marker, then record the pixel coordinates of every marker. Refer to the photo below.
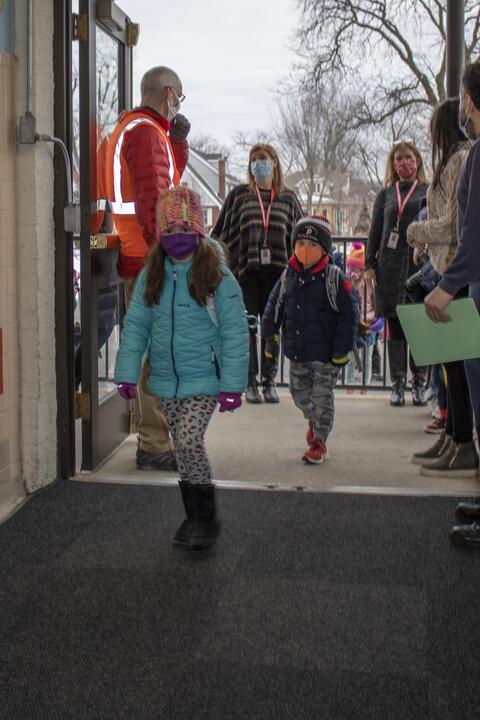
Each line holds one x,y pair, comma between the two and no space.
63,246
104,425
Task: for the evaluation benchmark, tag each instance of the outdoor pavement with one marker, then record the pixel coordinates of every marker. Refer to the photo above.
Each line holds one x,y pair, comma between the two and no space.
262,445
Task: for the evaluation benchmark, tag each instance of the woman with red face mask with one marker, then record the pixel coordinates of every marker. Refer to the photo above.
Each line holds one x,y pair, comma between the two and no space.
389,260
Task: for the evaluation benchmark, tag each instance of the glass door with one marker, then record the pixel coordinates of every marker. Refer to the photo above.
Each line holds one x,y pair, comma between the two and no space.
105,62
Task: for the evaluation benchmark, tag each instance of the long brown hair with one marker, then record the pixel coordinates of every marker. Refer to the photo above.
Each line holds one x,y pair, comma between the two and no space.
446,136
391,176
204,276
278,180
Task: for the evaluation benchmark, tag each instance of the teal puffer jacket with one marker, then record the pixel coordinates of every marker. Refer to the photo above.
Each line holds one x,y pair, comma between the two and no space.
192,350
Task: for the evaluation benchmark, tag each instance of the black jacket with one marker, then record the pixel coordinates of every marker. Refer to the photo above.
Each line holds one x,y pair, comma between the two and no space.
393,267
300,304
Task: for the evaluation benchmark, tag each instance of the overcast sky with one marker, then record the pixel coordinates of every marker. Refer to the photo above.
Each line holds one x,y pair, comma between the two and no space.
230,55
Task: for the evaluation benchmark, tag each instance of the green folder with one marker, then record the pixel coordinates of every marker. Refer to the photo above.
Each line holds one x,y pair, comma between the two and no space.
431,343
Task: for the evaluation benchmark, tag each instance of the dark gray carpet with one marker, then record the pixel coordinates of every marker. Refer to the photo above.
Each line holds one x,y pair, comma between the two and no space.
312,607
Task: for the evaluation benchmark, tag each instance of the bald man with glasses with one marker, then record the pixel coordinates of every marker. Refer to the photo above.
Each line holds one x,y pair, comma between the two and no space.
147,153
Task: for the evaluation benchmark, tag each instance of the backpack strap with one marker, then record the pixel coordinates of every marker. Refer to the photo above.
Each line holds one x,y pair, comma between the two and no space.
281,294
332,283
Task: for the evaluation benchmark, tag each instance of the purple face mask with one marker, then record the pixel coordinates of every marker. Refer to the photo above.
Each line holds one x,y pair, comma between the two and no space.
179,245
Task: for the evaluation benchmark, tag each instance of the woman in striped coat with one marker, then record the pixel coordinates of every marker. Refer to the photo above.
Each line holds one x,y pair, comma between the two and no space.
256,224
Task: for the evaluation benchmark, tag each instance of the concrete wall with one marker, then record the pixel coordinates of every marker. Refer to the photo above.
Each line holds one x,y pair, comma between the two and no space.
35,255
11,485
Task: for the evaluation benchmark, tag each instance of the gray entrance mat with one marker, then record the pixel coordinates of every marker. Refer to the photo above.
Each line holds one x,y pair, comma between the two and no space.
312,606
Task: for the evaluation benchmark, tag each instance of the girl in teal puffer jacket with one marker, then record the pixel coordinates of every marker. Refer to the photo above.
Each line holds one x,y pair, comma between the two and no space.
187,312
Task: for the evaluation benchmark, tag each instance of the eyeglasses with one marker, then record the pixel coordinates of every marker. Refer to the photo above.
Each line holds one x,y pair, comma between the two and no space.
180,97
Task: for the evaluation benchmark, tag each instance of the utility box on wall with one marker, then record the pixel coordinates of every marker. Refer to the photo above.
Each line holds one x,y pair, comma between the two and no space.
7,26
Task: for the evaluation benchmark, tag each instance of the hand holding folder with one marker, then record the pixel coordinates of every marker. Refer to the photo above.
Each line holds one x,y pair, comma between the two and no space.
432,343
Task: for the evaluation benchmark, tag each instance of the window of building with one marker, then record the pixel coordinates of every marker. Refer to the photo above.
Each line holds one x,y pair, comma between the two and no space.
208,216
340,221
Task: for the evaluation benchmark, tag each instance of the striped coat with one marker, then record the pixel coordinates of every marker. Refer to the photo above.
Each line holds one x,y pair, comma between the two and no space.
240,227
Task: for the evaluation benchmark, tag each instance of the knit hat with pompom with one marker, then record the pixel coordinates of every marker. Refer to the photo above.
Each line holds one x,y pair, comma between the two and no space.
356,257
315,228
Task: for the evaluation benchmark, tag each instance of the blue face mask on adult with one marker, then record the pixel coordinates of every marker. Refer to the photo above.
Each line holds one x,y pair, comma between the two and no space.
179,245
261,169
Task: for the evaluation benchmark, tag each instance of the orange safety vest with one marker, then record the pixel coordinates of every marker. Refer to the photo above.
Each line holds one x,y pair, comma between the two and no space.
119,186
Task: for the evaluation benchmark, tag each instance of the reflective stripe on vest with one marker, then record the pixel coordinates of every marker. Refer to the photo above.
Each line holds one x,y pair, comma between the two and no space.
119,207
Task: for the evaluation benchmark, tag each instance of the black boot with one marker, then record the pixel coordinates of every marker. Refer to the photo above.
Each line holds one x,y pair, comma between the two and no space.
270,393
418,395
251,394
466,536
269,372
467,512
206,527
418,383
376,363
397,358
184,532
397,398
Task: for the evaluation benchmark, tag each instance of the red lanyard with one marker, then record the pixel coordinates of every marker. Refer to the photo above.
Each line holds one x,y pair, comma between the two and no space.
265,215
403,205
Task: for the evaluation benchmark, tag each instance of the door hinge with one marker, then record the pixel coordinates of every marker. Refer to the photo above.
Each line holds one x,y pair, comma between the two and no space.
133,31
98,242
82,405
80,27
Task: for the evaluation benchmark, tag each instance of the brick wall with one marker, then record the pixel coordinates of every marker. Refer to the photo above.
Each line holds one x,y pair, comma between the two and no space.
10,483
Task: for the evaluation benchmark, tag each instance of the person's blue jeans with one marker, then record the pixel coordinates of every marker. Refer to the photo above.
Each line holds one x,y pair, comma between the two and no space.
473,366
437,384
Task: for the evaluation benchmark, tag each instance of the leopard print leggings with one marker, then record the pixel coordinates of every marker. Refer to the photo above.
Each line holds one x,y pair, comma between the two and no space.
188,420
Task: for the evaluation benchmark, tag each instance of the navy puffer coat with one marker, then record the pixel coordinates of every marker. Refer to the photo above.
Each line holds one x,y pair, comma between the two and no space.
312,329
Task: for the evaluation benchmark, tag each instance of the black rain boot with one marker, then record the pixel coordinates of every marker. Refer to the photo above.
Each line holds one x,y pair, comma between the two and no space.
376,364
418,383
206,527
184,532
397,358
251,393
418,395
269,373
397,398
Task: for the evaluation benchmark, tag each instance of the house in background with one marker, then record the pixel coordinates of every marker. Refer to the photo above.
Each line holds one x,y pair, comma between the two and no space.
343,199
206,173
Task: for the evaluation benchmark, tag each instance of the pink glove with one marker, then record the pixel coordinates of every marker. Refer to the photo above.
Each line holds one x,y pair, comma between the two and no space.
128,391
229,401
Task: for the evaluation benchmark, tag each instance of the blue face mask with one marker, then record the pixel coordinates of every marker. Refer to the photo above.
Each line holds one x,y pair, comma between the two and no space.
261,169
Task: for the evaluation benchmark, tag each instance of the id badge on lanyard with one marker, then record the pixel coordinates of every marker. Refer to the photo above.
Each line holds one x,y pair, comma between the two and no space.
265,253
394,236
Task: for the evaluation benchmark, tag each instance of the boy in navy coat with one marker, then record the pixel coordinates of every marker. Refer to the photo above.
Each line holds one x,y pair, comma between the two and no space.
315,305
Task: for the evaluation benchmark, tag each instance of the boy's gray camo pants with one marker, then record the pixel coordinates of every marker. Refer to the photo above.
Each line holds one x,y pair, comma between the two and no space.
311,385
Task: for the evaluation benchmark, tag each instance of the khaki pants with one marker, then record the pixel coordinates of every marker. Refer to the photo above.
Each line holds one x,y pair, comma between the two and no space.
153,432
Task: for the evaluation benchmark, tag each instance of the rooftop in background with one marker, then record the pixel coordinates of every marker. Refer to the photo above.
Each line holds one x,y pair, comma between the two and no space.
206,173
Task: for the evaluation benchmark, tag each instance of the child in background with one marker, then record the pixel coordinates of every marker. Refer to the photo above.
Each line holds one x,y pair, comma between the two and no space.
314,304
369,325
187,311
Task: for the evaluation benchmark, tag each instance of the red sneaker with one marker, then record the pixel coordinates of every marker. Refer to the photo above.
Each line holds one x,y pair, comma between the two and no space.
310,435
316,453
435,427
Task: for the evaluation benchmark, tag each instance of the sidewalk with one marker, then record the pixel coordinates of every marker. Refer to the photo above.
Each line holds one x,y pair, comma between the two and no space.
262,445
